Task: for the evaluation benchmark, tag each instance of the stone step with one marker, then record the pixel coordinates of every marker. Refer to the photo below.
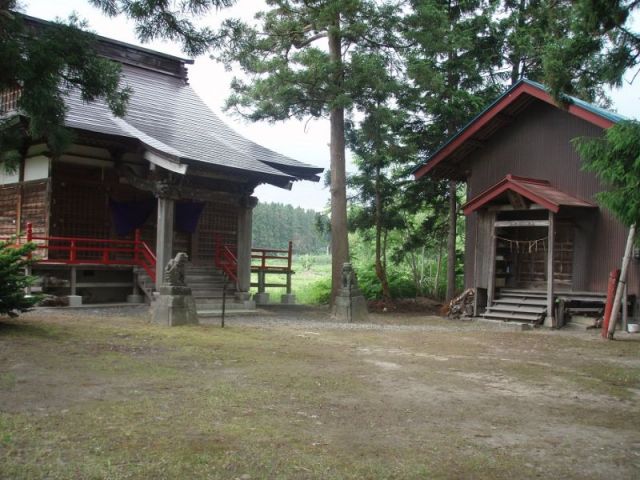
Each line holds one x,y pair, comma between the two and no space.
203,278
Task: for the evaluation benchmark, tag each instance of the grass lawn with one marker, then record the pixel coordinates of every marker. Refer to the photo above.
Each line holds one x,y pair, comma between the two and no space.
86,396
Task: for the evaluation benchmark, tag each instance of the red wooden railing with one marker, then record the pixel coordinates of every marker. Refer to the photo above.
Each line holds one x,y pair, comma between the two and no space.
270,260
266,254
100,251
225,259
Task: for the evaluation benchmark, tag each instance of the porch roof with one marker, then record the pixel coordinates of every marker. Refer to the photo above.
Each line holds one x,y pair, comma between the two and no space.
540,192
168,118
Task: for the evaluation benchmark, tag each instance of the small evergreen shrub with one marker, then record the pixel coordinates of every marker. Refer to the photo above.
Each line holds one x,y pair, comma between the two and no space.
13,281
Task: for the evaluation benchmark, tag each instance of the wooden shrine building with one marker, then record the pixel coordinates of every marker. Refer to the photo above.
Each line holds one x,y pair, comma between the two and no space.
132,192
535,235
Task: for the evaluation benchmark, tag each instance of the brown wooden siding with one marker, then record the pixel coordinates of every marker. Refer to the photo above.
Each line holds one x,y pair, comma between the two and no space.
22,203
8,210
80,207
538,145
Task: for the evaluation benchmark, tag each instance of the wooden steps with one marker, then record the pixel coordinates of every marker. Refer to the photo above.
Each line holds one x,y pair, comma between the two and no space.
518,305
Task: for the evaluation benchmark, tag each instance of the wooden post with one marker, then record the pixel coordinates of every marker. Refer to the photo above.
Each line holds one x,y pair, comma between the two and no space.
550,310
27,269
29,236
625,309
451,241
622,281
164,237
243,246
74,281
289,266
137,240
73,254
492,269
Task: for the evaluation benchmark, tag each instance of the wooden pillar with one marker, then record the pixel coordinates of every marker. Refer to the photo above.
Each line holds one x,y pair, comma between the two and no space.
244,244
74,281
550,321
164,236
492,268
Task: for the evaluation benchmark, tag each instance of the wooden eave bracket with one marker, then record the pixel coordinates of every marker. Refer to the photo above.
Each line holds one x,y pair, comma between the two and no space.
167,164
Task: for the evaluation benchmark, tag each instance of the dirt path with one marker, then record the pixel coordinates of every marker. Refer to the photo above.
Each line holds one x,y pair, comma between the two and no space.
292,394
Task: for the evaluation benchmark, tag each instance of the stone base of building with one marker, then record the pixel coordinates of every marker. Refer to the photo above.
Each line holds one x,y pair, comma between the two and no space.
288,299
261,298
74,300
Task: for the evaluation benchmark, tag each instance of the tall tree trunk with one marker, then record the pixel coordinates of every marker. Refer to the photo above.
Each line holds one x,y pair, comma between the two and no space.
381,270
517,62
339,234
451,241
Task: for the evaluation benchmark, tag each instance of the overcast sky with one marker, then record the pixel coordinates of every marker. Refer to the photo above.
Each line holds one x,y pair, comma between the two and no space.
304,141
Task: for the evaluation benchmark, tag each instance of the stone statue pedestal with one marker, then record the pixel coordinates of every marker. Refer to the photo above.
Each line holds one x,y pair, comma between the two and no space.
350,305
174,306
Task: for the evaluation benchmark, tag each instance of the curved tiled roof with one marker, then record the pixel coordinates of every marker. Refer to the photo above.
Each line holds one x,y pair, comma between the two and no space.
167,116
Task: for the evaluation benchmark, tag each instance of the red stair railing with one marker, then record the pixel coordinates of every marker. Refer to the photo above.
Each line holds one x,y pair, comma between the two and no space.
225,259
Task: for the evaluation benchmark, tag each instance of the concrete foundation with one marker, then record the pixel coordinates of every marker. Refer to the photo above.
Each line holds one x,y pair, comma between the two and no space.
288,299
174,306
75,300
261,298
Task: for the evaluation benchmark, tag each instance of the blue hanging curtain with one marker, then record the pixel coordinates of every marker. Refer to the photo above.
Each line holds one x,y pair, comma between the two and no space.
188,215
127,216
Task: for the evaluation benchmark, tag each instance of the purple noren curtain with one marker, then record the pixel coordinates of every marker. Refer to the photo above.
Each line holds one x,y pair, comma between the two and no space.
127,216
187,216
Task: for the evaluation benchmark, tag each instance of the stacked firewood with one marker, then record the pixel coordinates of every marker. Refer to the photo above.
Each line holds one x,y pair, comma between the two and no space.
462,305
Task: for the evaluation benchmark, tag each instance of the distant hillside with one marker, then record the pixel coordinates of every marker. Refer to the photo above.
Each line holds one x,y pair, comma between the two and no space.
274,224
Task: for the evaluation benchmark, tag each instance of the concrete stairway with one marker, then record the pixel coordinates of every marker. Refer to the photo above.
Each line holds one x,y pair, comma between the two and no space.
145,283
207,284
518,305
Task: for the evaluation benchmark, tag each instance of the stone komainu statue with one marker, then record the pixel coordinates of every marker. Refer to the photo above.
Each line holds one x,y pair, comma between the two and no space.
174,271
349,279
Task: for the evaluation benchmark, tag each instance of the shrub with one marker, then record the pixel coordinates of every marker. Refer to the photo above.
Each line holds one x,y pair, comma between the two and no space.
13,281
318,292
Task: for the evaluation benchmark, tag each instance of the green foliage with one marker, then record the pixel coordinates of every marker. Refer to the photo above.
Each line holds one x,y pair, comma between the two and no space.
599,47
400,284
290,75
615,158
274,224
47,62
167,19
13,281
317,293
